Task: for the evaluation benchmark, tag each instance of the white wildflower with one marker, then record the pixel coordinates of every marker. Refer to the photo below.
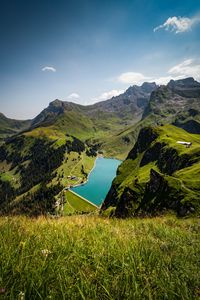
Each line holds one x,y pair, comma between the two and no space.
21,296
45,252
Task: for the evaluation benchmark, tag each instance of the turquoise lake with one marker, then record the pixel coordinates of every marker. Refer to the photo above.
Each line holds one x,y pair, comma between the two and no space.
99,180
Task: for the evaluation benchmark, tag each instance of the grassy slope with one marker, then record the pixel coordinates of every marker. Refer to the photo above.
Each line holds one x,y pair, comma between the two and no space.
104,128
71,165
186,179
83,257
116,146
170,135
75,204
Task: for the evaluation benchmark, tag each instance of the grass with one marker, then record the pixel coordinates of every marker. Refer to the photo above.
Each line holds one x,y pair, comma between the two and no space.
76,204
171,134
130,169
190,176
72,166
105,128
10,176
45,132
88,257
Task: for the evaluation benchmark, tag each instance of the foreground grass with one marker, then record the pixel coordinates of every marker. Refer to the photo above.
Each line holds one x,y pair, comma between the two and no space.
88,257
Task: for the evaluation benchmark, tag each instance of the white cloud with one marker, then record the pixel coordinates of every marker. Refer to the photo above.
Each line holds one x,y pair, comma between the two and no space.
165,79
178,24
188,68
47,68
132,78
108,95
74,96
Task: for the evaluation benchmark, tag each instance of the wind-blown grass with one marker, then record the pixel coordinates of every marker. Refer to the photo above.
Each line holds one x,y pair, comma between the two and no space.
88,257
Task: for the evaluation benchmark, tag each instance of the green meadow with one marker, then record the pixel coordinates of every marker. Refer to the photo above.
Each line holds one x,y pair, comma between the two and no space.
75,204
91,257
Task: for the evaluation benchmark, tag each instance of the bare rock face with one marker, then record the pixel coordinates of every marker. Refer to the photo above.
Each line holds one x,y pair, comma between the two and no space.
159,196
128,204
111,199
156,194
145,138
131,103
156,182
170,161
191,126
187,87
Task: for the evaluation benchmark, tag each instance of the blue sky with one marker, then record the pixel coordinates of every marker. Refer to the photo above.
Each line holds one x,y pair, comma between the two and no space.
87,50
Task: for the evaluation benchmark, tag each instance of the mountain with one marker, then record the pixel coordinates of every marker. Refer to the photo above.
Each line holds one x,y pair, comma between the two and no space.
187,87
60,143
63,140
158,175
178,102
108,115
8,127
99,123
126,106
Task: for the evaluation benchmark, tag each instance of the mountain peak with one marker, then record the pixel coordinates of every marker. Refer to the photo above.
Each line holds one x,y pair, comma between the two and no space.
187,82
148,87
56,102
187,87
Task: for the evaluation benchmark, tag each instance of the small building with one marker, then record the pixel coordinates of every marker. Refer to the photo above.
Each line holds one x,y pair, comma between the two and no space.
72,177
187,144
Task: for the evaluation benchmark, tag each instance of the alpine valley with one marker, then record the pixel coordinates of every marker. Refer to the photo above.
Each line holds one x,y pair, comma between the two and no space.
39,157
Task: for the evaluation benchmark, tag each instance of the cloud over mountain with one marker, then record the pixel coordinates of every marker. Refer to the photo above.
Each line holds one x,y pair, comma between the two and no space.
108,95
132,78
73,96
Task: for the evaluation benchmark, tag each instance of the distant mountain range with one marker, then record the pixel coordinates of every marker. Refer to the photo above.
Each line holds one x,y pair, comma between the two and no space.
33,152
125,109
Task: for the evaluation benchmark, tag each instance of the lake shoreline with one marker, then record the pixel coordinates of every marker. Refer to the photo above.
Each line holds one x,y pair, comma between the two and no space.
86,181
96,187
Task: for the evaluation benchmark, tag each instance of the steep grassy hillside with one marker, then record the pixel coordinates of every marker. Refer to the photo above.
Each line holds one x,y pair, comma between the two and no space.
83,257
92,125
159,174
37,165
